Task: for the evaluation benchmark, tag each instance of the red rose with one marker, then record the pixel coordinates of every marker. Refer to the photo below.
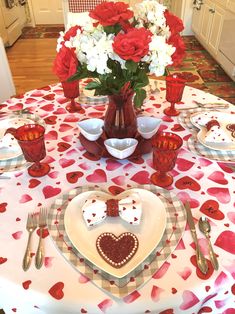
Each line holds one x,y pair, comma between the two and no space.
72,32
177,42
175,24
133,45
111,13
65,63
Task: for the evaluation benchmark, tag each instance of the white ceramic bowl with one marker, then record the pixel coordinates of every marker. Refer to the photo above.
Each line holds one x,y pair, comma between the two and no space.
91,128
121,148
148,126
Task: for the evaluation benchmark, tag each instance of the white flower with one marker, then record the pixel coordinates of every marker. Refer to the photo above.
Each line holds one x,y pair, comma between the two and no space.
159,55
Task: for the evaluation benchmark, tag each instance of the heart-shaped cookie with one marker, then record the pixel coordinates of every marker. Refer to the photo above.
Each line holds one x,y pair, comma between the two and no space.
117,251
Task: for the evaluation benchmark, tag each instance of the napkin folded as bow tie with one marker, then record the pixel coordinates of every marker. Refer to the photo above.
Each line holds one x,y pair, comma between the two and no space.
97,208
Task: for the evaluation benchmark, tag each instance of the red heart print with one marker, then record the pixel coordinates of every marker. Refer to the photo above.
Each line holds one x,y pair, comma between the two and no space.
66,162
226,241
48,107
49,97
167,311
3,207
117,250
187,183
141,177
198,272
177,128
131,297
26,284
105,304
98,176
167,119
62,146
25,198
72,177
91,156
184,164
137,160
59,111
65,127
18,106
45,232
2,260
83,311
189,300
173,290
211,209
218,177
49,191
162,270
115,190
155,293
17,235
52,135
112,164
50,120
222,194
71,118
98,115
119,180
33,183
56,291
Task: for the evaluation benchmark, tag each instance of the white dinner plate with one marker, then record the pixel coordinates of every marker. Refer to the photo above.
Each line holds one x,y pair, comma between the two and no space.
149,232
199,119
9,146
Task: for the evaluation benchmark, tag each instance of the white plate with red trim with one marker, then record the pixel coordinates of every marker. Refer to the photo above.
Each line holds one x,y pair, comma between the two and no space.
149,232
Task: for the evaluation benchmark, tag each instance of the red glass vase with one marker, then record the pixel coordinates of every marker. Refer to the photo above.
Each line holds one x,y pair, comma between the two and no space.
120,118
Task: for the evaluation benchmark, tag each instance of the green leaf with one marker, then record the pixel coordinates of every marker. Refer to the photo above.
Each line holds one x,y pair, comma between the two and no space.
112,29
139,98
131,65
92,85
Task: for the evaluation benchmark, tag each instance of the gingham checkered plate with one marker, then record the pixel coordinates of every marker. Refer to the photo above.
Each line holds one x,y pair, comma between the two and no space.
176,221
18,163
196,147
86,98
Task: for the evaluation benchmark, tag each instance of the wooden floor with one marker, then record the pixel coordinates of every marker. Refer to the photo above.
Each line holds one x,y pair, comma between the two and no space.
31,62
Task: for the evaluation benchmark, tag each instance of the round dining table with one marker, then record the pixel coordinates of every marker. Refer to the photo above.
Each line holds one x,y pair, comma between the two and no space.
168,279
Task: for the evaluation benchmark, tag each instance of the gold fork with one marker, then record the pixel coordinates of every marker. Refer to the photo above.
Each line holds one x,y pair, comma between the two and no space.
40,251
31,225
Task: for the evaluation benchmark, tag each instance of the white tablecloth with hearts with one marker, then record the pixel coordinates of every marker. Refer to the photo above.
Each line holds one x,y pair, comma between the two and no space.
178,287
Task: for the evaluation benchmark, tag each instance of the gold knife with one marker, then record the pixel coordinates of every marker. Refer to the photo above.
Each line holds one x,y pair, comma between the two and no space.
201,261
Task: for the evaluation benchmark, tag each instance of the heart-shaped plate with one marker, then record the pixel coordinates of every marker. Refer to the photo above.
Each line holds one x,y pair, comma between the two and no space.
149,232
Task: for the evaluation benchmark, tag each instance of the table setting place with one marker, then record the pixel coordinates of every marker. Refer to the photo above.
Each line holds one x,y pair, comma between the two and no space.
123,201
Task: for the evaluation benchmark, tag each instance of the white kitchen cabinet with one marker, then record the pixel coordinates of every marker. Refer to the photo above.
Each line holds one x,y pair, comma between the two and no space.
207,24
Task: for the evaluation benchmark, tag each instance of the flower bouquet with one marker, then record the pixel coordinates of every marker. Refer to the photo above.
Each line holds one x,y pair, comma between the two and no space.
119,47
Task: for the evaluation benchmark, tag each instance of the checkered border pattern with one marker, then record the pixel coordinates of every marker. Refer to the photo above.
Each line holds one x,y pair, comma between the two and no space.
82,5
87,101
18,163
176,221
196,147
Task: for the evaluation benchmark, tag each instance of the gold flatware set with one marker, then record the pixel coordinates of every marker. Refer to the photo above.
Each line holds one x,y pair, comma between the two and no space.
204,227
31,225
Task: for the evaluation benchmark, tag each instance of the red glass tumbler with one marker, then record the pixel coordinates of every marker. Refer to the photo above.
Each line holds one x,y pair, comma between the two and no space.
71,91
174,92
31,140
165,150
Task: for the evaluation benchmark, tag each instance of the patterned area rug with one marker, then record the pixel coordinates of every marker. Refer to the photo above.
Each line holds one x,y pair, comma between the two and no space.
198,68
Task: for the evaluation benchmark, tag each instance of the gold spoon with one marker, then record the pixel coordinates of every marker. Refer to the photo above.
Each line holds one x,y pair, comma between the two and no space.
205,228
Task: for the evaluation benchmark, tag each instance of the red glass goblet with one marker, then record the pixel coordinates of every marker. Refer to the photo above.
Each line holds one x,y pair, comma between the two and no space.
71,91
174,92
31,140
165,149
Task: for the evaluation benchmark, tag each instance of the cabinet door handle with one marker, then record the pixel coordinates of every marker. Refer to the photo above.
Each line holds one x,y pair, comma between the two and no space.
212,10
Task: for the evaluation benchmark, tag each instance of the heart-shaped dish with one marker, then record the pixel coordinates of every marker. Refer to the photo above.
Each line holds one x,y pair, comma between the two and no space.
121,148
148,126
149,232
91,128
